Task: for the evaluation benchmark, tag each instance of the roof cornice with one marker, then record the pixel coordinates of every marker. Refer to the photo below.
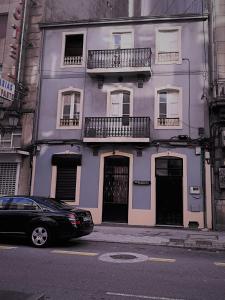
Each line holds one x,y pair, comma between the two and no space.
124,21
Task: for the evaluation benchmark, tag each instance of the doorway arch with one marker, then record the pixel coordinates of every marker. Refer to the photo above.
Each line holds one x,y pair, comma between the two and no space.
128,159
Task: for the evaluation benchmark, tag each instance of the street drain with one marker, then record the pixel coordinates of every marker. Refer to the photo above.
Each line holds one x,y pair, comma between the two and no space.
123,257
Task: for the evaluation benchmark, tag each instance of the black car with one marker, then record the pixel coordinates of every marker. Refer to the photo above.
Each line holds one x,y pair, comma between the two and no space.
42,219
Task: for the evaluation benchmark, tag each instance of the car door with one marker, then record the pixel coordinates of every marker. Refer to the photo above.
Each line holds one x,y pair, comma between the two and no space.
20,212
4,203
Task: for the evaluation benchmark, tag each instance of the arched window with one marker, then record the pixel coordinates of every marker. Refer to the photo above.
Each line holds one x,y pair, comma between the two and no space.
120,105
168,108
69,108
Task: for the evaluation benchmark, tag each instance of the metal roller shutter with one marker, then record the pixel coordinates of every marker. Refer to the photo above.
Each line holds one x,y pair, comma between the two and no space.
8,178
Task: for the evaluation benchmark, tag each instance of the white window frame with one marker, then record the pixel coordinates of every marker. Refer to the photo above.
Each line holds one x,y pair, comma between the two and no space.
121,31
59,108
64,34
156,113
178,29
115,89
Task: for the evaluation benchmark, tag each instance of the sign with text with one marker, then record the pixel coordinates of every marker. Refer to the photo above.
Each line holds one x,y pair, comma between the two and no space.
7,89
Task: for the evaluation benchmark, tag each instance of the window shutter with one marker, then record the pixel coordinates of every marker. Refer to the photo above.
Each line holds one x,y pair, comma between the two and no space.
168,41
172,104
66,182
8,178
116,104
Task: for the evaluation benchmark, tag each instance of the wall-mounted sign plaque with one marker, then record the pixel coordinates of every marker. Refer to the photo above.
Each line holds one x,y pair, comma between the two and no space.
142,182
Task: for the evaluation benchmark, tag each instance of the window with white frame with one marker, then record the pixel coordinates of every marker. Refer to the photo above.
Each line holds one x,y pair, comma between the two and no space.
168,108
73,49
69,109
168,45
122,40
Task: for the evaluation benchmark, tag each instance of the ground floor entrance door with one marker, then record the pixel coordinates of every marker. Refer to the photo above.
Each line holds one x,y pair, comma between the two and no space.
115,189
169,191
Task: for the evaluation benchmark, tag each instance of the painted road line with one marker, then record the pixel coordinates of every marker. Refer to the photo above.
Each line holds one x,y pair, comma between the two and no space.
140,296
7,247
158,259
220,264
74,253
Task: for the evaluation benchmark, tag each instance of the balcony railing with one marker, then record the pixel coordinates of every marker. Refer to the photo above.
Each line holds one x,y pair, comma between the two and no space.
168,121
70,122
129,127
73,60
119,58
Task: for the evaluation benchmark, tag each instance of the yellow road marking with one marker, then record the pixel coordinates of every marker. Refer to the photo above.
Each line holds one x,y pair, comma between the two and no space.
6,247
220,264
158,259
74,253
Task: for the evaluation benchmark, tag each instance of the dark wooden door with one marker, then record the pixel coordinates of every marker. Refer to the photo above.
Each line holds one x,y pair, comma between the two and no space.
116,189
169,191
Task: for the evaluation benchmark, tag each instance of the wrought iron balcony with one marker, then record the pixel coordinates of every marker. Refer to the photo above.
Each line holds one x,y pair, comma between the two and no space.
112,60
121,129
168,121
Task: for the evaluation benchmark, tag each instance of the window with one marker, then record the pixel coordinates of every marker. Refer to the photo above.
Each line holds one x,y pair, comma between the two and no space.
23,204
69,109
3,203
168,46
168,108
73,49
122,40
3,26
67,176
8,180
120,104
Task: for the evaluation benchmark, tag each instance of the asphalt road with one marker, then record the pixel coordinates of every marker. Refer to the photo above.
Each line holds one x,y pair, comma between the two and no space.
95,270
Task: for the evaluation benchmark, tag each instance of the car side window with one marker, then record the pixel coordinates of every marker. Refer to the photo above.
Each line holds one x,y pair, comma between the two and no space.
23,204
3,203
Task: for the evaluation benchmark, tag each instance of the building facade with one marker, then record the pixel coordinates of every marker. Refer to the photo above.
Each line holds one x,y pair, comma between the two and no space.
216,100
14,159
120,127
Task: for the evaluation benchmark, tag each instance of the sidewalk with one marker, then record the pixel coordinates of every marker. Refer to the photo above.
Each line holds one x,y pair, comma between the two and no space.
161,236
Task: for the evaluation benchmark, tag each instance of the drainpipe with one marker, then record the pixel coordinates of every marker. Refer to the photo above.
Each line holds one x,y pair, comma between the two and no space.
189,95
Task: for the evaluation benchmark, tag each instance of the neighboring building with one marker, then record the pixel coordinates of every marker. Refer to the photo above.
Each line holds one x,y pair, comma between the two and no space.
120,120
14,161
217,108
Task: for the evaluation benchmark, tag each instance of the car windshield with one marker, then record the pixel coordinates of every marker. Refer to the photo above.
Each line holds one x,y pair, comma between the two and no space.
53,203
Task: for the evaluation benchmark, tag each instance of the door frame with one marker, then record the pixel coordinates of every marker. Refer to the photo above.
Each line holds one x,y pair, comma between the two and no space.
153,184
101,181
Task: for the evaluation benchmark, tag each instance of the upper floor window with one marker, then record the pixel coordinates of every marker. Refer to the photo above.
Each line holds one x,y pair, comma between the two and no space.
168,113
168,45
119,103
73,44
69,109
122,40
3,26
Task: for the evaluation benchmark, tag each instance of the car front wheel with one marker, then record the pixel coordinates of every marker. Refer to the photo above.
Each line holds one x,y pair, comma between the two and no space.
40,236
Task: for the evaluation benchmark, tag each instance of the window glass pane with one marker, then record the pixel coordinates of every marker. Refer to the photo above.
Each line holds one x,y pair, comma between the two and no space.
3,202
162,110
126,109
162,97
3,26
126,97
66,105
117,40
23,204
